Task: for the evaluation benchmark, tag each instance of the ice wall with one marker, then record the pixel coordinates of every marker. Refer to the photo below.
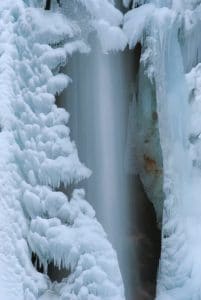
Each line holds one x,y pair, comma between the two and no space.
168,33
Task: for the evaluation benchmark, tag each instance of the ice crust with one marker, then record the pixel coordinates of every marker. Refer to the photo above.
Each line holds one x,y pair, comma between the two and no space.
37,156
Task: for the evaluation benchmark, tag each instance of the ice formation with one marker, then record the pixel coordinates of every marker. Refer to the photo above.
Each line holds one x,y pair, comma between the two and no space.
38,157
167,103
39,160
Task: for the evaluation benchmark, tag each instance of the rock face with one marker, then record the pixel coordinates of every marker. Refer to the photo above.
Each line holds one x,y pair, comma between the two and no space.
148,162
145,239
148,149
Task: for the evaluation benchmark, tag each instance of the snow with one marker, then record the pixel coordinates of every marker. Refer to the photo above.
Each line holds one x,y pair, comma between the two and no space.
102,17
135,21
103,9
49,296
37,157
80,247
111,37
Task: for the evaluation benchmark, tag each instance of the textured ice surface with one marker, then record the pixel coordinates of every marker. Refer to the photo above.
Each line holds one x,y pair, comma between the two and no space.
98,16
37,156
170,41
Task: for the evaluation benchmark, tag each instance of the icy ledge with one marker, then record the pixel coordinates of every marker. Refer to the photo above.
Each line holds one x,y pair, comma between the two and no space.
37,156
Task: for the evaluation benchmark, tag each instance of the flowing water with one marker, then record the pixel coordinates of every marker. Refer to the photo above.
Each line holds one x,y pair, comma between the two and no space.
99,102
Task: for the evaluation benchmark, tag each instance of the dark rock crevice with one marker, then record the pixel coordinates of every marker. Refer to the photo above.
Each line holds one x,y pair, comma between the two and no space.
146,237
54,273
146,198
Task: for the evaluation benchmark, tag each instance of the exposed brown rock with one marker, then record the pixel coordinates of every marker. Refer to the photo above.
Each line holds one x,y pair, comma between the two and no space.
150,165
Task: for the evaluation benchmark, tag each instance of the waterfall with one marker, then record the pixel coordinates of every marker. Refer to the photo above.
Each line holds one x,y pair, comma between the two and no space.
98,101
135,120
